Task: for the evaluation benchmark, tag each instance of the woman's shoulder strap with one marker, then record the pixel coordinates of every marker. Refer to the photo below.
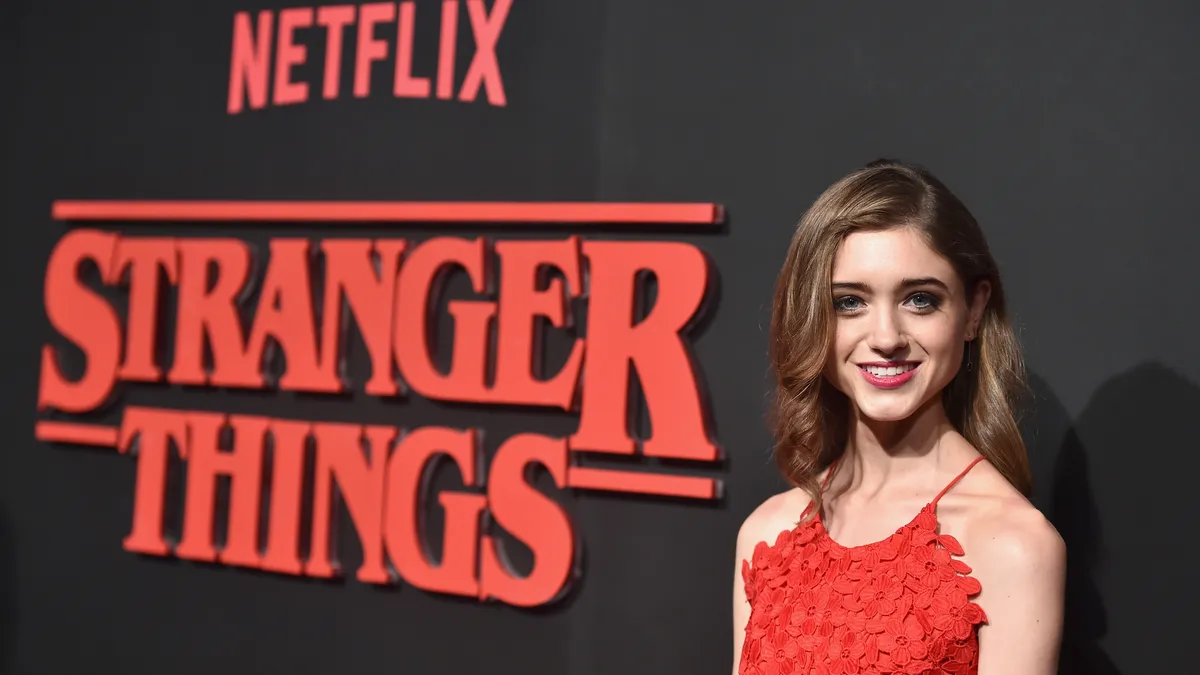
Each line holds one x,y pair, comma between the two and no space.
956,479
824,484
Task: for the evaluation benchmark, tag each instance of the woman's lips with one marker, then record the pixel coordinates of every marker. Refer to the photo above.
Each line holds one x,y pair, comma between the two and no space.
888,375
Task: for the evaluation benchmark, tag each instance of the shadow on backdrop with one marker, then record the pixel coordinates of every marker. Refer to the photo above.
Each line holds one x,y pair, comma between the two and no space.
1063,492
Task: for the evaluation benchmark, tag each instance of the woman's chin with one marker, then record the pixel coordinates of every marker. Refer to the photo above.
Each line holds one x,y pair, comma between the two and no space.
899,409
886,416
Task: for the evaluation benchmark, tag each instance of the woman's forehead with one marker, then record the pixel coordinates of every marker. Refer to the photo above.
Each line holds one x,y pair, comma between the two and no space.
888,256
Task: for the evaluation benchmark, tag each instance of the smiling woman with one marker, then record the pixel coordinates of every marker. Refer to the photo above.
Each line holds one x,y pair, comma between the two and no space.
893,330
908,544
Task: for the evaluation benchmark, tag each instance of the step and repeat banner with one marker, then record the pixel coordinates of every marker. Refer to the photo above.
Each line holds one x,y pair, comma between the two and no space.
429,336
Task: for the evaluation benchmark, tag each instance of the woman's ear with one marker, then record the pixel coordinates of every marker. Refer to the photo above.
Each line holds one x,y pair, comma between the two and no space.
979,300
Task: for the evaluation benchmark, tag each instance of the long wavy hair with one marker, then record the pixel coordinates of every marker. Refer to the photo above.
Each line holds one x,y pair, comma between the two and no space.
811,418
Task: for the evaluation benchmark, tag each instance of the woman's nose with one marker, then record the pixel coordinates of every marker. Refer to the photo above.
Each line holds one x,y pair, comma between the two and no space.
887,335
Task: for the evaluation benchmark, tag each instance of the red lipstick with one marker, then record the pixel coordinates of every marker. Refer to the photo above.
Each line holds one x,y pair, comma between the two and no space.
889,381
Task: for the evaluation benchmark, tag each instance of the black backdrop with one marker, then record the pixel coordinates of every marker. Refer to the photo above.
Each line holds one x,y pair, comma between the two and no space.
1069,127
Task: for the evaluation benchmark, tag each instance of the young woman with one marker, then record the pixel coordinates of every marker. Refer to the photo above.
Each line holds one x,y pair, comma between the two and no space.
907,545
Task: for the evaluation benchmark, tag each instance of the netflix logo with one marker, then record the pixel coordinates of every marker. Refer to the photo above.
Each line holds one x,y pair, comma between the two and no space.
268,46
310,293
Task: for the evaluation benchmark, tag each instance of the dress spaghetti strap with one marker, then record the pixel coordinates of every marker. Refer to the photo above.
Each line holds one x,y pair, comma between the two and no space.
824,484
956,479
828,475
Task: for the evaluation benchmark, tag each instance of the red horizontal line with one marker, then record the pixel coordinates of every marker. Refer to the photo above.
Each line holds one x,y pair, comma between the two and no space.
641,482
74,432
441,212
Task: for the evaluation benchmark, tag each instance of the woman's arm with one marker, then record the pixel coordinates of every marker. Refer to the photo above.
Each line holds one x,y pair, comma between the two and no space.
1021,562
776,514
741,608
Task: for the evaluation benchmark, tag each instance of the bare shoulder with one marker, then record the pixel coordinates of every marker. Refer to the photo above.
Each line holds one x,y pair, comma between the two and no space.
774,515
1017,542
1019,560
1006,537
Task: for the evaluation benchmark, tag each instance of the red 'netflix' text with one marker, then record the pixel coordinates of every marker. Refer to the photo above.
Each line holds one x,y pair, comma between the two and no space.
269,45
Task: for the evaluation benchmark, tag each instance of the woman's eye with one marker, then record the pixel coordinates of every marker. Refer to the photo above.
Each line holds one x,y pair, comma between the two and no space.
924,301
847,303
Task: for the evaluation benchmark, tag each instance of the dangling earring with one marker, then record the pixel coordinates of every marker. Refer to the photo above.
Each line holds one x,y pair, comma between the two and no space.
970,338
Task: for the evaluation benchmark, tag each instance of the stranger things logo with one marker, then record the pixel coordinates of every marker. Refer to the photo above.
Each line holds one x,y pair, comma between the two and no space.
284,479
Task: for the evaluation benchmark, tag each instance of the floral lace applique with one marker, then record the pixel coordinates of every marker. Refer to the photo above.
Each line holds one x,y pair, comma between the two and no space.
901,605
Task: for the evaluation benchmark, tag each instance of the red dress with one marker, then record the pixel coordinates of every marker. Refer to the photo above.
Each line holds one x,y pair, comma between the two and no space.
901,605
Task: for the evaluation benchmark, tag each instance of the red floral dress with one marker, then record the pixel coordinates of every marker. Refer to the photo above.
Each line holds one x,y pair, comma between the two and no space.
901,605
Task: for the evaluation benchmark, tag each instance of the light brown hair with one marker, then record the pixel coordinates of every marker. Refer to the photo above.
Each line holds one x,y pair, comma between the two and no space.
810,417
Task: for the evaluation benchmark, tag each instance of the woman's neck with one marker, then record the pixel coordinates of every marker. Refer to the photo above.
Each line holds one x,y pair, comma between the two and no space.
879,452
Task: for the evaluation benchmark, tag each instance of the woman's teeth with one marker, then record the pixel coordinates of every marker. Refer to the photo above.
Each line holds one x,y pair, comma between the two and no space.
889,371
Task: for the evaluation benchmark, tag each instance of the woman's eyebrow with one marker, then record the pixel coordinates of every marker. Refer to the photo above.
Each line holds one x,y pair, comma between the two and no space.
906,283
925,281
851,286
